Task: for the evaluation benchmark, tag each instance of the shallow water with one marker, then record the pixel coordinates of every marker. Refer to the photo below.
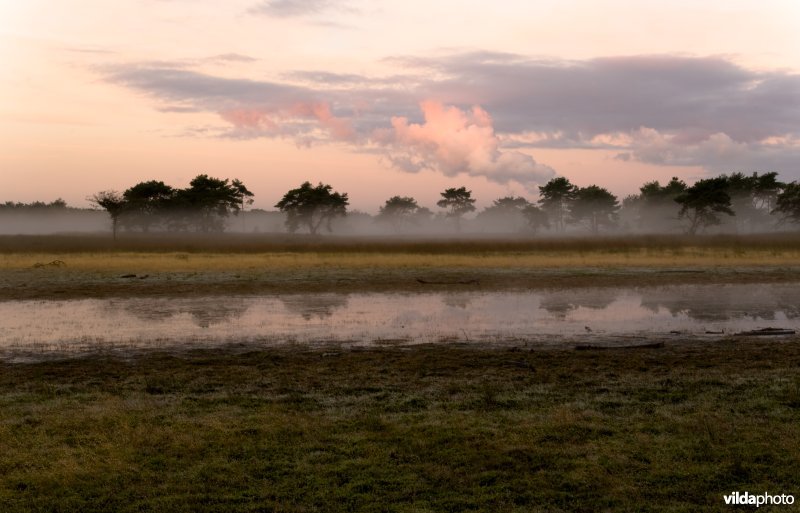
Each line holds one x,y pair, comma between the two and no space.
552,317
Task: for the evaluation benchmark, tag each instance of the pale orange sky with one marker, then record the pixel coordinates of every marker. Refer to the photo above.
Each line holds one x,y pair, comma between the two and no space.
99,95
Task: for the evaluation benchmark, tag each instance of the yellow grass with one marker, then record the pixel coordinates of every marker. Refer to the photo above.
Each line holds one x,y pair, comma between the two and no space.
195,262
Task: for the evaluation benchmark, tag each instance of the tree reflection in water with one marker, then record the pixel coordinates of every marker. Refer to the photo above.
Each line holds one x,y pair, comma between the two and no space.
310,306
723,302
204,312
561,303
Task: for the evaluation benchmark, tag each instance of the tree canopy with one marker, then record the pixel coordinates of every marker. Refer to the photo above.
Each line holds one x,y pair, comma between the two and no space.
505,213
146,203
208,201
787,204
310,206
655,206
702,202
402,211
203,206
457,202
595,206
752,198
113,203
555,198
36,206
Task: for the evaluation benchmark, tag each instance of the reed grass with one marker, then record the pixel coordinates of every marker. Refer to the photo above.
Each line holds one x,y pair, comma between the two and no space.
485,259
283,243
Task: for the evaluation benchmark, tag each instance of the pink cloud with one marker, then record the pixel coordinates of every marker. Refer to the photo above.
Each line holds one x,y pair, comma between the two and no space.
249,119
453,141
339,128
283,121
450,140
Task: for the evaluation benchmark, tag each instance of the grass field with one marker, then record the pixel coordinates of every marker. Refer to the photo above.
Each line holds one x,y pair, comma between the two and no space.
208,261
235,264
444,428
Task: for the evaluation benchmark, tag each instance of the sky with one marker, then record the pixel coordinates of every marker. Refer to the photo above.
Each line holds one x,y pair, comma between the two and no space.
381,98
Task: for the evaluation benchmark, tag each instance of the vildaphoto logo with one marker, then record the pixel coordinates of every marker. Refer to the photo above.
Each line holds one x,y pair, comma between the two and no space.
747,498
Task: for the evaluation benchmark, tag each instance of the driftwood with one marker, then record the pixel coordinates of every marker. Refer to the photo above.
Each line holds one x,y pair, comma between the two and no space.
649,345
765,332
464,282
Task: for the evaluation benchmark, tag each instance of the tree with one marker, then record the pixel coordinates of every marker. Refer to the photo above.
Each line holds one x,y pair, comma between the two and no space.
741,189
399,212
457,202
767,189
555,198
753,197
595,206
147,202
701,203
506,212
655,203
208,201
535,217
787,203
114,204
36,206
311,206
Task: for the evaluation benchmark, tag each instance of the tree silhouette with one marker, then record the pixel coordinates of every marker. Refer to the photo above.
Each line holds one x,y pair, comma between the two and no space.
457,202
208,201
788,203
204,204
114,204
146,203
555,198
753,197
655,203
311,206
701,203
400,211
594,205
506,212
767,189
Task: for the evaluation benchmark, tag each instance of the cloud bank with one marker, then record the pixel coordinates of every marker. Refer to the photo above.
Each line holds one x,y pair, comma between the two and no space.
473,112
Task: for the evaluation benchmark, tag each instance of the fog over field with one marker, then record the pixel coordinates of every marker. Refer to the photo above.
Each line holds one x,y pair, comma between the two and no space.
509,222
355,224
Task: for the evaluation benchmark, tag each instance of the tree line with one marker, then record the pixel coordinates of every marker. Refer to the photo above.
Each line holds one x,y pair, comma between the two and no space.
34,207
753,202
203,206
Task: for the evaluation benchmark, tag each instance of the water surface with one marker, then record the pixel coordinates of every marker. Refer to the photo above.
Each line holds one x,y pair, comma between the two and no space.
556,316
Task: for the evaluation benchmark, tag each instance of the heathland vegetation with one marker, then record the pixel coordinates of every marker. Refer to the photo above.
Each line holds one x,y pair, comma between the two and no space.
191,264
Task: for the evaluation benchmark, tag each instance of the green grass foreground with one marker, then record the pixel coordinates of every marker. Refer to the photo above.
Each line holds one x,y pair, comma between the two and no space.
428,428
